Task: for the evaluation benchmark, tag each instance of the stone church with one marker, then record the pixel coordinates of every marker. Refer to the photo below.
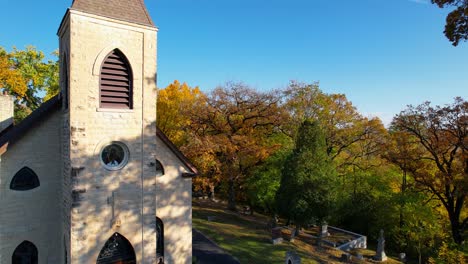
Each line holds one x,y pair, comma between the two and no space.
87,177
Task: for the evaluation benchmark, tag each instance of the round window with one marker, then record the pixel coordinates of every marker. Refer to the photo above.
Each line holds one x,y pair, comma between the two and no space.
114,156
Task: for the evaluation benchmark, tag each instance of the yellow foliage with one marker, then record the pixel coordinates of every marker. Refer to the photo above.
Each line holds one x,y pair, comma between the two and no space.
11,78
174,105
445,255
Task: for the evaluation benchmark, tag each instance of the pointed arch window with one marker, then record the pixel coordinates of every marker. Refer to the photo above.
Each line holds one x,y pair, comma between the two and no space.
26,252
116,82
159,168
117,250
159,241
24,180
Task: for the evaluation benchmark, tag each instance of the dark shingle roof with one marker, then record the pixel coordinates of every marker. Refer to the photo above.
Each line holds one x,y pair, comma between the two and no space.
14,133
127,10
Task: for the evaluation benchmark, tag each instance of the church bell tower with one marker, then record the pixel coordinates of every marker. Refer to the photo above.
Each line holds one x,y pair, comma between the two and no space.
108,82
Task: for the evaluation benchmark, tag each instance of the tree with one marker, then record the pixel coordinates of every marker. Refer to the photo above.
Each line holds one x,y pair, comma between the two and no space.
25,75
237,121
308,183
265,179
456,27
441,166
175,104
342,124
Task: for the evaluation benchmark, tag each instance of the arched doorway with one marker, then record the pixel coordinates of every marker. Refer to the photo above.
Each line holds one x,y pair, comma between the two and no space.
117,250
25,253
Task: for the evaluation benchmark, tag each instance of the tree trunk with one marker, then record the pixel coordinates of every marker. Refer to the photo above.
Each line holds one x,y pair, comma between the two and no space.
456,232
231,196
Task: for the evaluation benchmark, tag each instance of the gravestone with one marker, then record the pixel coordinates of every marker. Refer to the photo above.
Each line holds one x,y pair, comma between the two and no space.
402,257
292,258
276,235
324,231
294,233
346,257
380,254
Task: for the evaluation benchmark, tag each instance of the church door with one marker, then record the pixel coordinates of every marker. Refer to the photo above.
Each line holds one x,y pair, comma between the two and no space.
117,250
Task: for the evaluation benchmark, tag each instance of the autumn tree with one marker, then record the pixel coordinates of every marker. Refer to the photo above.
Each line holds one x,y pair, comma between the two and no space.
238,120
456,27
342,124
26,75
308,183
440,165
175,104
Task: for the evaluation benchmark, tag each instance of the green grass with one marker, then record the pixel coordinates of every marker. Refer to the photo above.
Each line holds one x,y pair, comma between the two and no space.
246,238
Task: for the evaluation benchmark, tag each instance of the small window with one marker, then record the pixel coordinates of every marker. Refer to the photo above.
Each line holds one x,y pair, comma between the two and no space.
114,156
24,180
26,252
159,241
116,82
159,168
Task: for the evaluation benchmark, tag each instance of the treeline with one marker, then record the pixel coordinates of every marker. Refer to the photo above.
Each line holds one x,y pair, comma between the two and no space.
311,157
307,156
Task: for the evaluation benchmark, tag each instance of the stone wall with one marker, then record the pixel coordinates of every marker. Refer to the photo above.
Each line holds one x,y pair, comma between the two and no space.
33,215
174,207
104,201
66,170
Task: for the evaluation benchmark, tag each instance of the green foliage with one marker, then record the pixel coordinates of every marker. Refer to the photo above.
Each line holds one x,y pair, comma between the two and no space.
308,183
265,181
26,75
437,160
447,255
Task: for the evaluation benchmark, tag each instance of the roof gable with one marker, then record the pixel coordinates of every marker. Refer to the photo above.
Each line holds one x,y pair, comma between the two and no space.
133,11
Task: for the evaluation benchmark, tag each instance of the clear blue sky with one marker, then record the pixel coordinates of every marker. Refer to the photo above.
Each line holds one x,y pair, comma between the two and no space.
383,54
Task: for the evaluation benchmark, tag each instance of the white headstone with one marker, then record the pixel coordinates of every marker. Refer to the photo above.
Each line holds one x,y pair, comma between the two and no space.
380,254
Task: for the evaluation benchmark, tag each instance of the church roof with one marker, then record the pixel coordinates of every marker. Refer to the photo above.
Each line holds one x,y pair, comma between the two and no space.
14,133
127,10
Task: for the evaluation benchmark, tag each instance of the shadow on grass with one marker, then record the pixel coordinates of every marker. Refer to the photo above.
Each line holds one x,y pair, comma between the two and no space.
248,238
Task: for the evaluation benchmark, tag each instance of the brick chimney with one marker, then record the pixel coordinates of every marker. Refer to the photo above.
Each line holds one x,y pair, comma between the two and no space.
6,110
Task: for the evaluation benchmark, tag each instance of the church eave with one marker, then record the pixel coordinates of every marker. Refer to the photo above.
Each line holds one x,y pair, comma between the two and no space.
193,171
16,132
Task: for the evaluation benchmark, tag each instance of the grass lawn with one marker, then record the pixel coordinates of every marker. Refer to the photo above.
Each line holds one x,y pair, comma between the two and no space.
248,238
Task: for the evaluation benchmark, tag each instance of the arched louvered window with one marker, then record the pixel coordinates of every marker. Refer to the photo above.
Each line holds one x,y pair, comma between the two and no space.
159,168
117,250
159,241
25,253
116,82
24,180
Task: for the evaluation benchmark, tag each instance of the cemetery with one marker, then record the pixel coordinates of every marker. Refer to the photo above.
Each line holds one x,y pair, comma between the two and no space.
252,238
